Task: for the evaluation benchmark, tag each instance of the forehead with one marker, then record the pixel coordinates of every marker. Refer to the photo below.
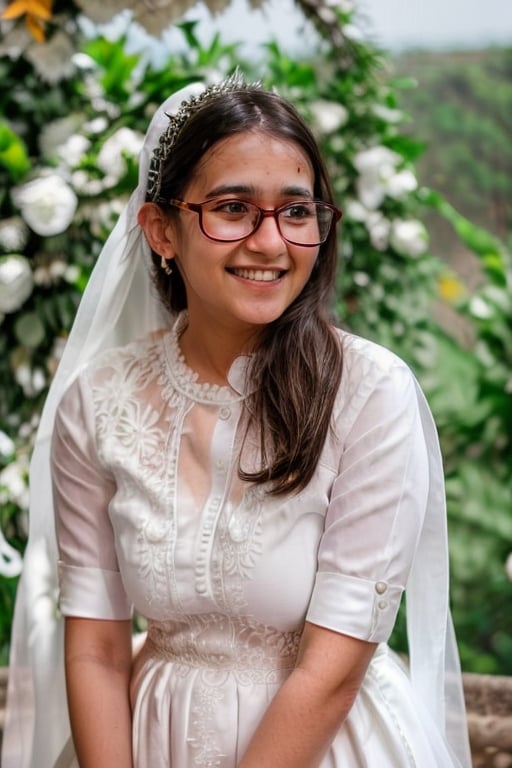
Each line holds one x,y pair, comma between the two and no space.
255,159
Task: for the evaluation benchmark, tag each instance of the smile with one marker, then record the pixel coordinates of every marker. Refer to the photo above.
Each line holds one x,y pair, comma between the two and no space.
259,275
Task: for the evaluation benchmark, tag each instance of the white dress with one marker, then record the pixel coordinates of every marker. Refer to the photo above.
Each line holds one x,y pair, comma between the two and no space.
151,516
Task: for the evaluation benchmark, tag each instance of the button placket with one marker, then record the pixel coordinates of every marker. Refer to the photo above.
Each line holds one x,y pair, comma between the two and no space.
222,445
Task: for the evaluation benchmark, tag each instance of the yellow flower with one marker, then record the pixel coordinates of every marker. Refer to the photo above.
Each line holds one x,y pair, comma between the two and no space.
36,12
450,289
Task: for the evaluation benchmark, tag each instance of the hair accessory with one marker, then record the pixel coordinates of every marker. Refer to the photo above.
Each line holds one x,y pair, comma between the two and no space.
165,266
235,82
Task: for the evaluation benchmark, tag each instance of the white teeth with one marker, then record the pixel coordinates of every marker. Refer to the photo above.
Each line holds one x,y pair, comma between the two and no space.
262,275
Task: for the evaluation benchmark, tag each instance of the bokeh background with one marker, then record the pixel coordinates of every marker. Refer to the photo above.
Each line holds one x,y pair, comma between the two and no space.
412,103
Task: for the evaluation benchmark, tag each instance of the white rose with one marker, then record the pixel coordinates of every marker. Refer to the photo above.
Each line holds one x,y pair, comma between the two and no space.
400,184
110,158
328,116
16,282
375,166
46,203
409,237
74,149
375,159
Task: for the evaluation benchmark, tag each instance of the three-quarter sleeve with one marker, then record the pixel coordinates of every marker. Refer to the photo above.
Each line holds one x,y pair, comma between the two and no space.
89,578
376,509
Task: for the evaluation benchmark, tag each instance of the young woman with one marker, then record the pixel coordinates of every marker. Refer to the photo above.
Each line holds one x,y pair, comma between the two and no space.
257,484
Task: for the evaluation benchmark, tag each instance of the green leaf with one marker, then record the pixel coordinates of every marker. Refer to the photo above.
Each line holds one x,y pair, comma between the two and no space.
13,153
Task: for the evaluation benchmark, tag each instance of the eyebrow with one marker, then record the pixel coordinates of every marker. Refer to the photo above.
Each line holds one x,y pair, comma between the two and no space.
245,189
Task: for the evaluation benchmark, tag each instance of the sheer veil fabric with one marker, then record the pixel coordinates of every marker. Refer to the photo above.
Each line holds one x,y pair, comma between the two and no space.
118,306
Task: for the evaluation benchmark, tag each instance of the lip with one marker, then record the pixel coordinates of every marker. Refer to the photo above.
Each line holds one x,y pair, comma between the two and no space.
257,275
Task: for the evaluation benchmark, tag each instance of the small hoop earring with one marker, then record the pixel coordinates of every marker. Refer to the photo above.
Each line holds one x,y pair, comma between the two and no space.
165,266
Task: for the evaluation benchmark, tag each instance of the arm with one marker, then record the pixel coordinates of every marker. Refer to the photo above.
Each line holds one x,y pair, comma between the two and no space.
98,662
370,535
309,708
92,597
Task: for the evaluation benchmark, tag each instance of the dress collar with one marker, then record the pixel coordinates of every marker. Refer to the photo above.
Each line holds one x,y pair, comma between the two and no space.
185,378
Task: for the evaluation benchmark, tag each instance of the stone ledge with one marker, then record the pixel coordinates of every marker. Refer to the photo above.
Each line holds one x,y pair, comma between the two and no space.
489,707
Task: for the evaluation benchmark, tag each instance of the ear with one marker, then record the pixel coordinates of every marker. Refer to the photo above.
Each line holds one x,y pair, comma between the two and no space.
158,229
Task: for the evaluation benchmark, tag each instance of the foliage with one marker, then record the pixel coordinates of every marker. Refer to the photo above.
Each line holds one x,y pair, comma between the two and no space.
462,110
83,132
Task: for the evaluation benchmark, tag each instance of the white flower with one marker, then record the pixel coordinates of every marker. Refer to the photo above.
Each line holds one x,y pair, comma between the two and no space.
16,282
378,228
328,116
379,178
13,482
47,204
387,114
31,381
85,185
375,166
480,308
111,159
96,125
356,210
6,445
508,567
400,184
409,237
13,234
72,150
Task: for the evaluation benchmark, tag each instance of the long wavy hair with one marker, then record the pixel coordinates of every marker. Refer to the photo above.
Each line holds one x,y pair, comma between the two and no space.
298,361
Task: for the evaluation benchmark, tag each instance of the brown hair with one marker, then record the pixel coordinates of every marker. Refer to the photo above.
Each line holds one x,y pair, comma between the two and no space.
297,365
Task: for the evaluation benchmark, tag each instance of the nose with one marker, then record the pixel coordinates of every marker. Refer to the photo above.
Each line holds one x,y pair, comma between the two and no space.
267,237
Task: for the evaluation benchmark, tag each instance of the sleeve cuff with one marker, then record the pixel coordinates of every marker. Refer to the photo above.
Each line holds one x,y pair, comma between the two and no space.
92,593
354,606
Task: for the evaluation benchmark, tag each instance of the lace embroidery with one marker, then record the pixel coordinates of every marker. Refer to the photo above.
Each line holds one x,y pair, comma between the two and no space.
253,652
205,702
142,394
182,378
240,535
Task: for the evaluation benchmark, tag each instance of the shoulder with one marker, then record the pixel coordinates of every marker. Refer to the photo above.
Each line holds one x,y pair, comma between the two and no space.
369,371
362,357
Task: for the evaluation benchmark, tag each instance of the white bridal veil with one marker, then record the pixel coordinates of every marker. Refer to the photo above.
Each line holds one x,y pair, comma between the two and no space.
119,305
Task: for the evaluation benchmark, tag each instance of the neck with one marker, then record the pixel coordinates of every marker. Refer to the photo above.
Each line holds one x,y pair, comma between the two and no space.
210,352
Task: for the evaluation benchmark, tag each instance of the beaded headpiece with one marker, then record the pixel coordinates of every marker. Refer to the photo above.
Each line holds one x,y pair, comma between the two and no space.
234,82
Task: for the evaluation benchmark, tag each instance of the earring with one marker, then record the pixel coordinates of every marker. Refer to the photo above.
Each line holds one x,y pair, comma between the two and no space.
165,266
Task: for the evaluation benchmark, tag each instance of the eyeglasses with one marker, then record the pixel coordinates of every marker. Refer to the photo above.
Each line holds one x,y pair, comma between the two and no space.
302,222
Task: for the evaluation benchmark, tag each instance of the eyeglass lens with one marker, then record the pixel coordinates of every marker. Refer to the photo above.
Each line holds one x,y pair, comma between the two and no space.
303,223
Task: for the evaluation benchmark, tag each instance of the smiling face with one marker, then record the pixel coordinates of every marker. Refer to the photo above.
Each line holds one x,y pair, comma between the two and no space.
239,287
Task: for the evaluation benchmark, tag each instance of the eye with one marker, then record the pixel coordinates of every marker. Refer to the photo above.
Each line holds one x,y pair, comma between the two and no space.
299,211
230,207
